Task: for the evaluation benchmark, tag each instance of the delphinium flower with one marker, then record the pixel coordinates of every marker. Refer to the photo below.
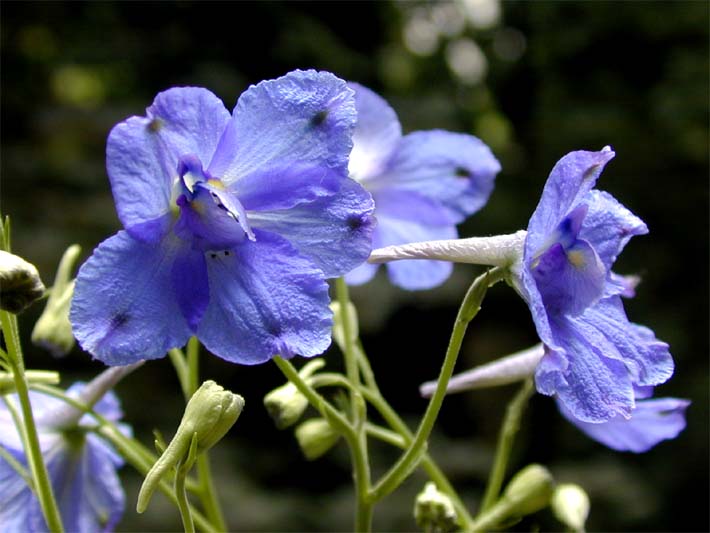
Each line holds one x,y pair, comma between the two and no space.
232,224
594,357
652,419
423,184
82,466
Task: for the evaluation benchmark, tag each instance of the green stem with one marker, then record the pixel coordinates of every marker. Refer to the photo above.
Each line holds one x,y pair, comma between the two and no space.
181,495
358,448
178,360
469,307
508,430
32,447
354,438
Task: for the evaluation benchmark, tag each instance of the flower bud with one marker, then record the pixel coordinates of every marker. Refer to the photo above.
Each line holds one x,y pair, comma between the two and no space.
529,491
434,511
53,330
209,414
286,404
20,284
570,504
315,437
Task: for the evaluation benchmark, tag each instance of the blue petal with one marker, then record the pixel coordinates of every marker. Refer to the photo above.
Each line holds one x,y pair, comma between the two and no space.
376,136
361,274
265,299
16,497
593,387
285,186
606,327
142,155
335,232
570,180
651,422
304,118
569,280
455,170
124,307
608,226
189,277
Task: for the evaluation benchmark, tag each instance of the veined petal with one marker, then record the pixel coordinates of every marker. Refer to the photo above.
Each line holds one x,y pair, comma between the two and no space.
305,117
454,169
124,307
607,329
593,388
651,422
142,155
377,133
570,180
189,277
265,299
608,226
335,231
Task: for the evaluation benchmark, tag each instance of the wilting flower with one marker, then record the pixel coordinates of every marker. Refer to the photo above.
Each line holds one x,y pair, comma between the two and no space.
651,421
423,184
594,357
82,467
232,223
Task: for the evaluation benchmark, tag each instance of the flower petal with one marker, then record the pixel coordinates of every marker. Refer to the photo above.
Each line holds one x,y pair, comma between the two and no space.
607,329
361,274
608,226
377,133
335,232
594,388
570,180
189,277
142,155
651,422
305,117
124,307
569,280
454,169
265,299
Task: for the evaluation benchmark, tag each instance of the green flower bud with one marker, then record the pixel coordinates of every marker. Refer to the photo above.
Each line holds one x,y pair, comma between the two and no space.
570,504
286,404
53,330
338,329
529,491
209,414
434,511
315,437
20,284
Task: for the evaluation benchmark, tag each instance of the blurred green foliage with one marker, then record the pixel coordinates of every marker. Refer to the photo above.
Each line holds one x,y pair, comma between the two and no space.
534,79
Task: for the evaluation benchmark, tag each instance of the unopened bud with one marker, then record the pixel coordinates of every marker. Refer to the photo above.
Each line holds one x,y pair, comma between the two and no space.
53,330
209,414
570,504
20,284
434,511
529,491
315,437
286,404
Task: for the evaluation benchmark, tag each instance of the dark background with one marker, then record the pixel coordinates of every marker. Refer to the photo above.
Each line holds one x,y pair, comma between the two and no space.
560,76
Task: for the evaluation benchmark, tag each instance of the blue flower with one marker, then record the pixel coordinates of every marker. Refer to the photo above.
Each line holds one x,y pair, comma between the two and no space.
423,184
652,421
594,357
232,224
82,468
